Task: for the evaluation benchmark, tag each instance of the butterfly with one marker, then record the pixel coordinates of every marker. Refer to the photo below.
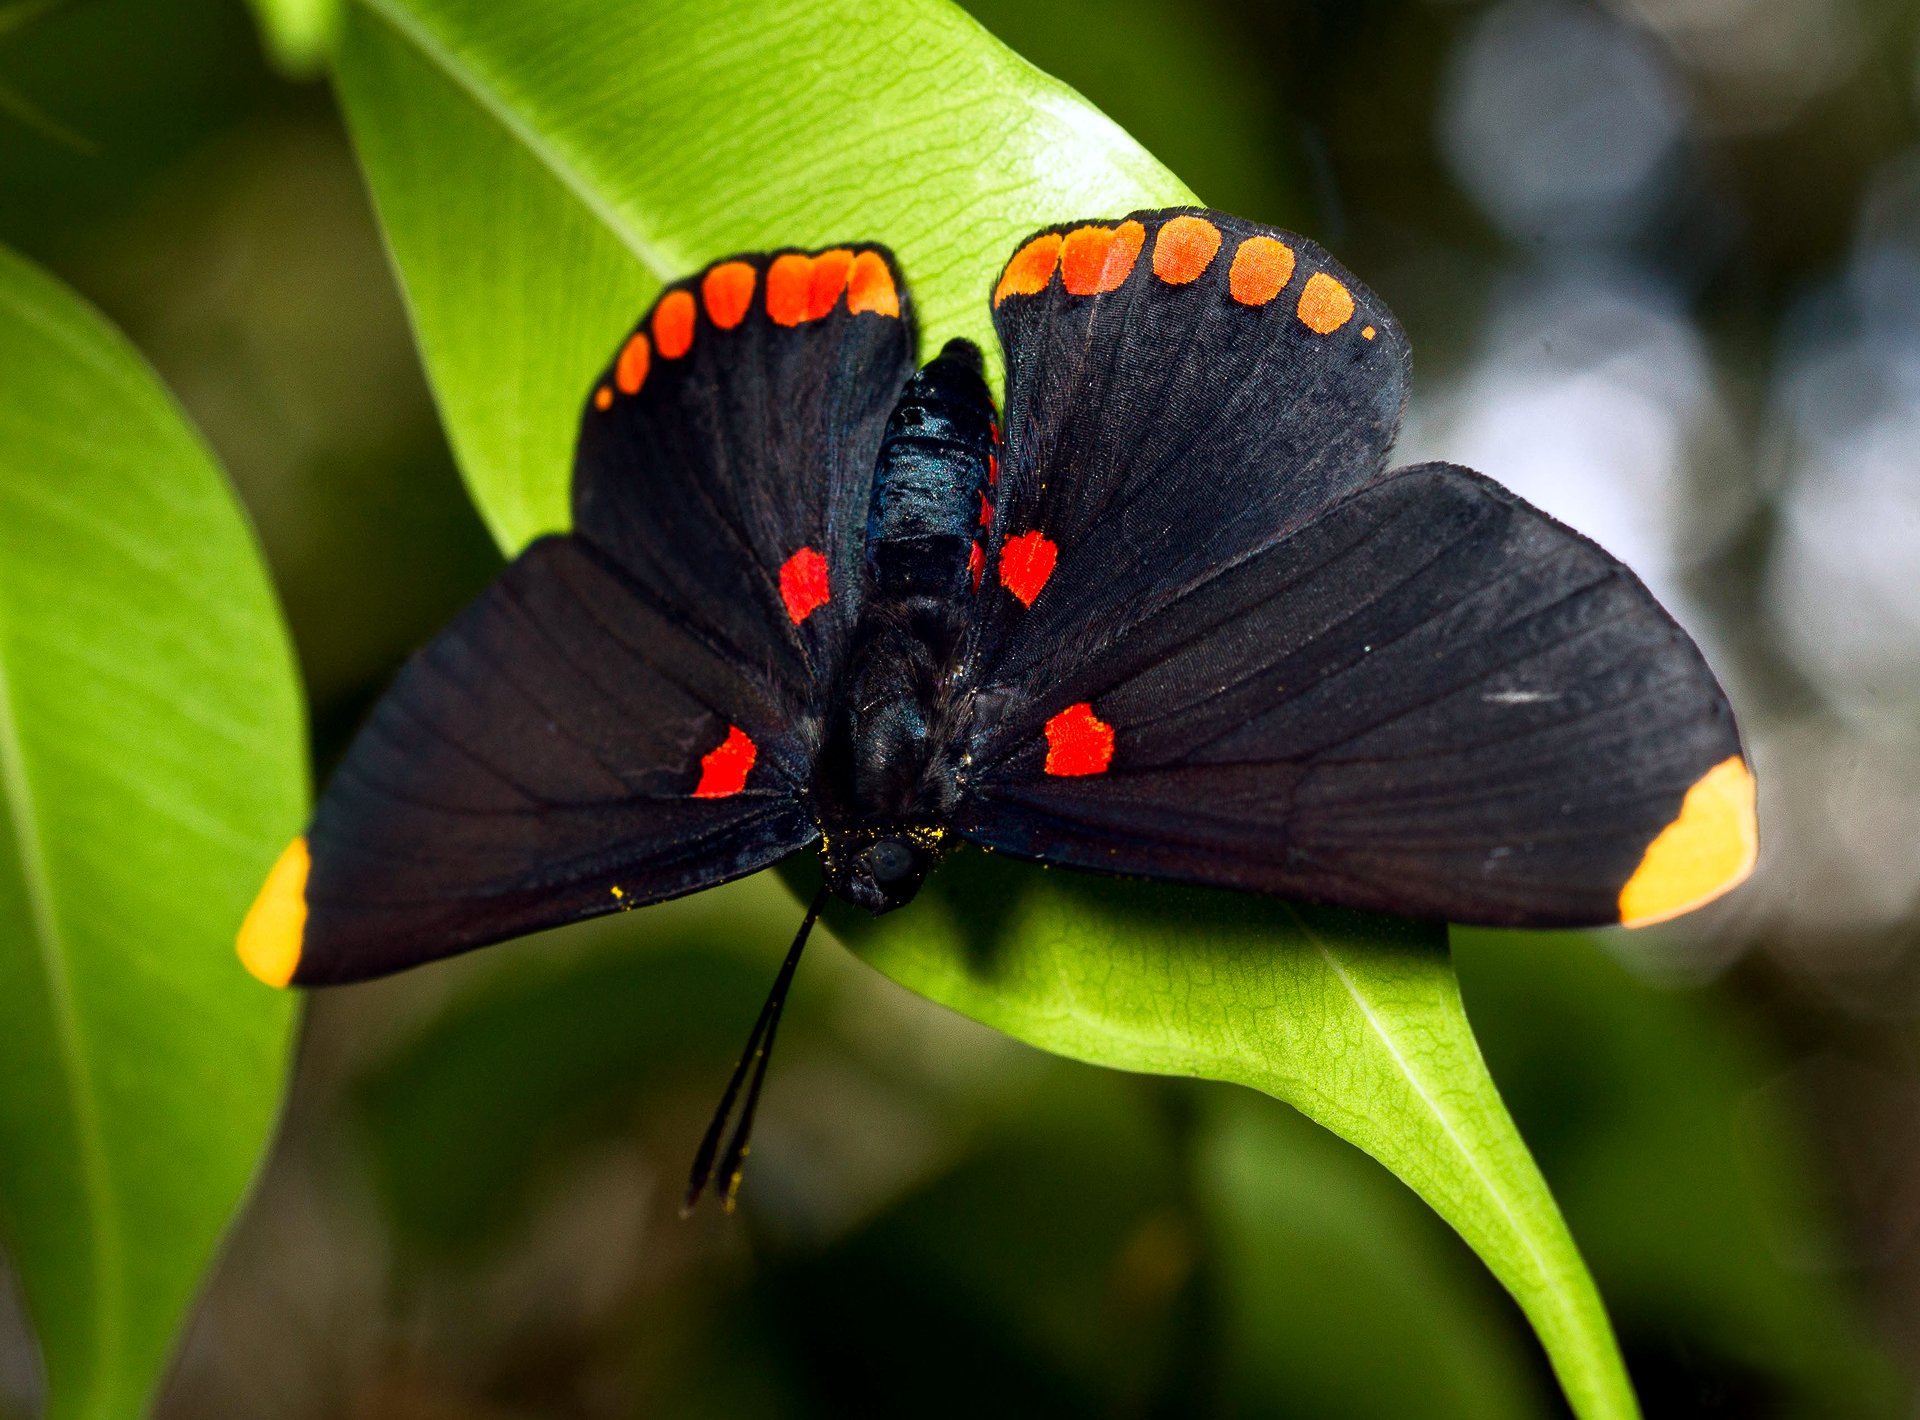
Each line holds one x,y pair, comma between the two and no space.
1168,615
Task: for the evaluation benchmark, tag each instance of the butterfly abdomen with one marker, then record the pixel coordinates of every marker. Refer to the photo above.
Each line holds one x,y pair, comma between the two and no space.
930,485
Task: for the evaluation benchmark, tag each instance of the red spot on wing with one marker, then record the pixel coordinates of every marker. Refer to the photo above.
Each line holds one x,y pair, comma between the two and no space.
1026,562
789,288
1261,269
976,564
673,324
986,512
1078,742
1184,249
870,286
723,770
830,270
993,464
803,584
1097,259
728,289
1031,268
630,371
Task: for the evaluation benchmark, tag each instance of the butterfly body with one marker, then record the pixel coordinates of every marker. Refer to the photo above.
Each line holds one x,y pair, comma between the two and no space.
890,772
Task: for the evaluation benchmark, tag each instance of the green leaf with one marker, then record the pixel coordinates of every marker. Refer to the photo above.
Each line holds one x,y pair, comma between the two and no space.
151,765
541,169
298,34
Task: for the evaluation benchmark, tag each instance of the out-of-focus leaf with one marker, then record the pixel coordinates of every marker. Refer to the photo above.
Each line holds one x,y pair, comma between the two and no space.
1341,1296
151,765
1687,1181
297,33
541,169
559,1045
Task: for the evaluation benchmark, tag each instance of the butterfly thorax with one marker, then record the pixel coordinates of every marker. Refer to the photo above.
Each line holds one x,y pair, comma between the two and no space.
889,777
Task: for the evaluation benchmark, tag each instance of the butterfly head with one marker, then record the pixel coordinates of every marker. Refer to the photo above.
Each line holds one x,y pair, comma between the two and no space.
881,868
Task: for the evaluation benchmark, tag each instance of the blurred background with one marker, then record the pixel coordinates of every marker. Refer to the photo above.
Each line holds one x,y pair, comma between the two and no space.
1660,264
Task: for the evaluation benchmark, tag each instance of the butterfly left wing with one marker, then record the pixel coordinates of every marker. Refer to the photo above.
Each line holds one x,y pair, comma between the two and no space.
565,748
634,710
1430,699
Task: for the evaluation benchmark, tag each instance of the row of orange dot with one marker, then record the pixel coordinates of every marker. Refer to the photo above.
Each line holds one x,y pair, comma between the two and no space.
799,288
1095,259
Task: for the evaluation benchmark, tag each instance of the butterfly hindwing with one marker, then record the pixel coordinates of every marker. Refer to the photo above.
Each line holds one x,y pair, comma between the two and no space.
566,747
1430,699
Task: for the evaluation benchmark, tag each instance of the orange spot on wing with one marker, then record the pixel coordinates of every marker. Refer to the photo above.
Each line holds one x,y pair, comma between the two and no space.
789,287
1078,742
673,324
630,371
1031,268
723,770
270,939
728,291
1184,249
870,286
1367,332
829,280
1709,849
1025,564
1325,305
803,584
1097,259
1261,269
603,398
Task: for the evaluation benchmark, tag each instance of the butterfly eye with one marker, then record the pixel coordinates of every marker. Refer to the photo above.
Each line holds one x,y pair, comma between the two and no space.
890,859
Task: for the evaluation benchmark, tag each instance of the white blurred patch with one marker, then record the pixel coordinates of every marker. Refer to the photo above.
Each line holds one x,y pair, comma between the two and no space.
1759,61
1844,585
1588,397
1562,122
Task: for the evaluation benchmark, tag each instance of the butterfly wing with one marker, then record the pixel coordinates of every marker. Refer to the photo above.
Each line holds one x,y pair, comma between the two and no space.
1160,371
726,455
632,711
1407,692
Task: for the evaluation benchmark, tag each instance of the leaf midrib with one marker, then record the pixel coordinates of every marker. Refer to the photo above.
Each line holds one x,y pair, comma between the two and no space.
430,47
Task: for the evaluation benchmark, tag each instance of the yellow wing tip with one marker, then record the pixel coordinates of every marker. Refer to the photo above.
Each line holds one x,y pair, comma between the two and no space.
1708,850
269,941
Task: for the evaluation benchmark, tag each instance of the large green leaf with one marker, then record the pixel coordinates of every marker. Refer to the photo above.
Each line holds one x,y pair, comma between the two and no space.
151,763
540,170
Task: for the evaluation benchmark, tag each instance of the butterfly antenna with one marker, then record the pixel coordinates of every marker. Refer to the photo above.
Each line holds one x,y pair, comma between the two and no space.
754,1058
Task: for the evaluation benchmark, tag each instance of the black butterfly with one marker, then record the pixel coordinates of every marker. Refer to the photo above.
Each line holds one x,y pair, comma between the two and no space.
1175,621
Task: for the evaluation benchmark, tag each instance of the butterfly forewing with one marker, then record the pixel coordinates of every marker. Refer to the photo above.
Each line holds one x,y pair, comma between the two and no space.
635,710
726,454
1182,387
